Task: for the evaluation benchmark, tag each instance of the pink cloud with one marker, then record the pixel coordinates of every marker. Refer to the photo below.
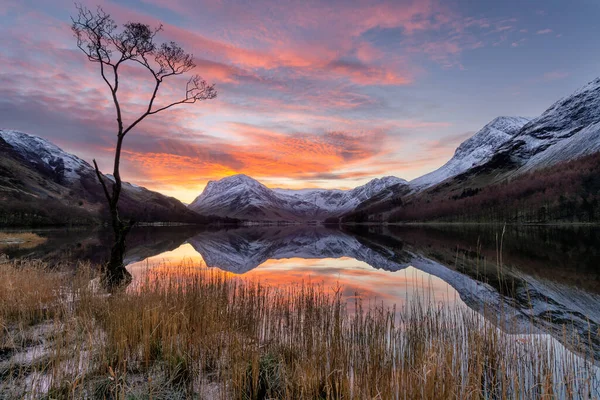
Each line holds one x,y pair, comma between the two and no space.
305,73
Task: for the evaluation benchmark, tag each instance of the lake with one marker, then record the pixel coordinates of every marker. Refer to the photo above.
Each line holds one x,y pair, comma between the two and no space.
527,279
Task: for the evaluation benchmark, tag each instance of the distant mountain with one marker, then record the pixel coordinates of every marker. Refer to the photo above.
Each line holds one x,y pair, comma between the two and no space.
242,197
514,169
476,150
42,184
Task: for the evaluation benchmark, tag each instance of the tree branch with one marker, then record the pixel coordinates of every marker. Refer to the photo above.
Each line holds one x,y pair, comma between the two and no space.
99,175
196,90
184,101
148,110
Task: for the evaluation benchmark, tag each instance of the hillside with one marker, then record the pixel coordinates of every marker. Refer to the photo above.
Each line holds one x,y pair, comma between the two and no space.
40,184
476,150
546,171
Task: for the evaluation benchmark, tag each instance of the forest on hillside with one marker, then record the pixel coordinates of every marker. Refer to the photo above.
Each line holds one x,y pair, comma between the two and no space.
565,192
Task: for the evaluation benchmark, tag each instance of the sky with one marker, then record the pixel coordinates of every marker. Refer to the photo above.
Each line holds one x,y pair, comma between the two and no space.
319,94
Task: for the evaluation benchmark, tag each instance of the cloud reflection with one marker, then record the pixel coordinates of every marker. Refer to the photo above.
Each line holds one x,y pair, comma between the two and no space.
357,279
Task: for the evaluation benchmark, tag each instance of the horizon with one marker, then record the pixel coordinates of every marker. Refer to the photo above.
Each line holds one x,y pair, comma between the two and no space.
321,96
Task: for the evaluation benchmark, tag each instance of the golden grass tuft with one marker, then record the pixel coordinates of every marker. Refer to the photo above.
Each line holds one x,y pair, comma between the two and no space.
25,240
202,333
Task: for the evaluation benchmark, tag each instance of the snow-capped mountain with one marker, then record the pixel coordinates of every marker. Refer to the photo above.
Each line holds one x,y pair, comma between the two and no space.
41,181
339,201
43,153
502,150
240,196
569,129
476,150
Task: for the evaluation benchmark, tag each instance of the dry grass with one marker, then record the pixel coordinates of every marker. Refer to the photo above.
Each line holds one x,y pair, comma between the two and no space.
200,333
21,240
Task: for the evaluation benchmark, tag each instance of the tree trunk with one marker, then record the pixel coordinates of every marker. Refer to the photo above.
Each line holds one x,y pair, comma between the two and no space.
116,273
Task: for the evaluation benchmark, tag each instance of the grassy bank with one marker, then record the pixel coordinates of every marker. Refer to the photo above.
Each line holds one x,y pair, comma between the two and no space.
201,333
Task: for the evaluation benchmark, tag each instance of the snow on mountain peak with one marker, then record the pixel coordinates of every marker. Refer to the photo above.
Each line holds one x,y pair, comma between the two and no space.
508,124
476,150
576,110
239,179
36,150
242,197
386,181
230,183
233,181
375,186
490,137
570,128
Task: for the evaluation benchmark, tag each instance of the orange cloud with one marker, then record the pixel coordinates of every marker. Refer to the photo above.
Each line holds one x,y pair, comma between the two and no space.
261,154
303,76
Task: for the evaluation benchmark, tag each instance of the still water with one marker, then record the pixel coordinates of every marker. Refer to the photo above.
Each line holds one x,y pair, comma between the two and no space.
539,279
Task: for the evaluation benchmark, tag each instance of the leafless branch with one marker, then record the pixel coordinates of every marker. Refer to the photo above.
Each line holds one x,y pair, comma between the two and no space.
196,90
101,179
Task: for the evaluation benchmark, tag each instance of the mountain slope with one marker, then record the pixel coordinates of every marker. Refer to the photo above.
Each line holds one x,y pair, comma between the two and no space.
240,196
569,129
42,184
546,171
476,150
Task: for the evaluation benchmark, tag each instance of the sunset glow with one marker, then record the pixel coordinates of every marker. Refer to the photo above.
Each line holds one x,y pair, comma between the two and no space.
357,279
311,94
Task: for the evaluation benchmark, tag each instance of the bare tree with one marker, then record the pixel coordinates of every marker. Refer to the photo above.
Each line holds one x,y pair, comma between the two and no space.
104,43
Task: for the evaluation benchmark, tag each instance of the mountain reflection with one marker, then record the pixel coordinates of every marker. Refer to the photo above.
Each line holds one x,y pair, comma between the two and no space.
244,249
545,276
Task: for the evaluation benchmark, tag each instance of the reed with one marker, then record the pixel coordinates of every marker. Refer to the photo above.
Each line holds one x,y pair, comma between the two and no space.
202,333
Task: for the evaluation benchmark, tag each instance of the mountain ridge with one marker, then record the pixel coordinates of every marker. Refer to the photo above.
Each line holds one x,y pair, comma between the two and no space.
477,149
561,144
33,169
240,196
41,184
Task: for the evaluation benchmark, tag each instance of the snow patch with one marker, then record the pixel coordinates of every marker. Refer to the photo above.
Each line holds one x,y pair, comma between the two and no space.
476,150
240,196
35,149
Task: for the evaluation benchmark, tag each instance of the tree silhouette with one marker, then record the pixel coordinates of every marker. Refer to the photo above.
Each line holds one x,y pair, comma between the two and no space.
111,47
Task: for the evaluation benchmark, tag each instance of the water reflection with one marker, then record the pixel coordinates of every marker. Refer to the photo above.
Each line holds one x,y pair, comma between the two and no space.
546,276
356,279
